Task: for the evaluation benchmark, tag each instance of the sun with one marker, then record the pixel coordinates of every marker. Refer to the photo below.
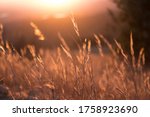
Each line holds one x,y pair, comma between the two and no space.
58,8
58,4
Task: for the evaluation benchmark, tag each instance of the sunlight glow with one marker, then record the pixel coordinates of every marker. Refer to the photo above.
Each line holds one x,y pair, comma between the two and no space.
58,4
58,8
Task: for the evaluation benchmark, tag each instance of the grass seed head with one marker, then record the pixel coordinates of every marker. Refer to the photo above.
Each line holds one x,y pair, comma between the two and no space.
37,31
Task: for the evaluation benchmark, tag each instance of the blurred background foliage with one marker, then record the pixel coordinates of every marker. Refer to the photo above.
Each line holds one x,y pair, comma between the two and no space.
134,15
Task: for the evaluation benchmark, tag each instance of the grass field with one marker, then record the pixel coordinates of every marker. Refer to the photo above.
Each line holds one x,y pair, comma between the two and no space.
64,73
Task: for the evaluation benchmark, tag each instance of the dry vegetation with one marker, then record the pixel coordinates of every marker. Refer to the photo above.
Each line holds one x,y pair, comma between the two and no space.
73,74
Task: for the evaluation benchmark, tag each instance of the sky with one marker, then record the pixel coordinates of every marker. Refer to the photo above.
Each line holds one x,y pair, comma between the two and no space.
45,7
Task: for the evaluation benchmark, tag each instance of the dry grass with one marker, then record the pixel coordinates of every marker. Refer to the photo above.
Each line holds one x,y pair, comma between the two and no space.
67,74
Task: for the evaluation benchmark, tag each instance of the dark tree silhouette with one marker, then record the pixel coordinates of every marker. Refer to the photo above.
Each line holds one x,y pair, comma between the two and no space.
136,15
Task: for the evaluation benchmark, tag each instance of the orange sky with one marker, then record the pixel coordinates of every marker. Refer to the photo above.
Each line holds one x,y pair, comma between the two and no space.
81,7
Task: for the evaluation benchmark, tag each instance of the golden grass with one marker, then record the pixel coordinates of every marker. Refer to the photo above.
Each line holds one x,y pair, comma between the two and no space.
37,31
132,50
67,74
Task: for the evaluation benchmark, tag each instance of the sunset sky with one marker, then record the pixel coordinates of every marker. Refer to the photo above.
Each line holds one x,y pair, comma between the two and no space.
52,7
